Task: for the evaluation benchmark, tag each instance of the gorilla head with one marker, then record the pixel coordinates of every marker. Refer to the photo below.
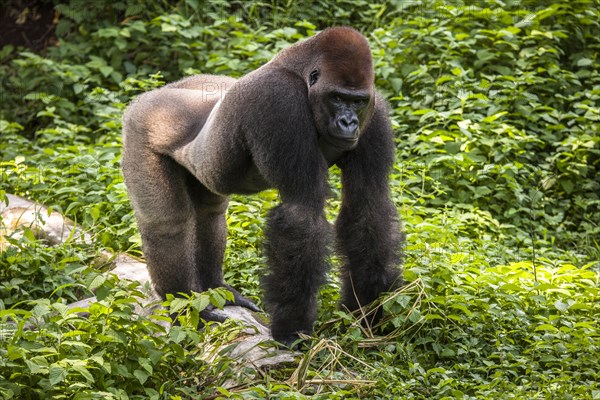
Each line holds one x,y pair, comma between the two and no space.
340,83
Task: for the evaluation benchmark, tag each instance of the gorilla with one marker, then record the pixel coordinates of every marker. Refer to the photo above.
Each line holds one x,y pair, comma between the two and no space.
191,143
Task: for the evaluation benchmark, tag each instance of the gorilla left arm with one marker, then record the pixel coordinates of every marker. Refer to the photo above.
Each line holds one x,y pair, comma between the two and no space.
368,228
284,146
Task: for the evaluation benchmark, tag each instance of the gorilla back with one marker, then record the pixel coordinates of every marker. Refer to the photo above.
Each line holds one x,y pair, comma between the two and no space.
193,142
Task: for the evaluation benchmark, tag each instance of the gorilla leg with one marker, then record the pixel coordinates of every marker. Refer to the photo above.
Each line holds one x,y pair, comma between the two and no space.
210,235
182,226
297,237
158,192
285,150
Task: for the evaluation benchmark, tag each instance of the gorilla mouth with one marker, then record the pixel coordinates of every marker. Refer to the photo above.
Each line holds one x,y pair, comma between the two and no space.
345,138
340,142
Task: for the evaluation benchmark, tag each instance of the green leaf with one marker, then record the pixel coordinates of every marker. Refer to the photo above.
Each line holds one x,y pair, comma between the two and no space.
546,327
494,117
178,304
40,310
218,300
561,306
56,374
106,70
201,302
511,287
166,27
81,367
36,365
567,185
448,352
98,280
177,334
141,375
584,62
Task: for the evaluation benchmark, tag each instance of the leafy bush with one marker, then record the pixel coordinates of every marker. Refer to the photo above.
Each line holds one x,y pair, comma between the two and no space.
112,353
501,107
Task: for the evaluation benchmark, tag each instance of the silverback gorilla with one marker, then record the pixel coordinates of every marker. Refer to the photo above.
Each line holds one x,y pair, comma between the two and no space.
190,144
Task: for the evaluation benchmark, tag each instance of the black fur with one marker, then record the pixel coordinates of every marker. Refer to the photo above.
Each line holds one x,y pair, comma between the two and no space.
296,248
190,144
368,230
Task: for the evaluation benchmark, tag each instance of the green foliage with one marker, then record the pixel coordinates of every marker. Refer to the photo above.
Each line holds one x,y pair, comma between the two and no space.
82,180
53,352
30,270
495,107
520,329
501,107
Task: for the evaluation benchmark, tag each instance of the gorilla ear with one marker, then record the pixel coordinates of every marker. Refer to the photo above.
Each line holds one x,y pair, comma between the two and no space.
314,76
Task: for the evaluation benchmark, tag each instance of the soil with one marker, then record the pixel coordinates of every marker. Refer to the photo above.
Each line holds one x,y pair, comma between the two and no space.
27,23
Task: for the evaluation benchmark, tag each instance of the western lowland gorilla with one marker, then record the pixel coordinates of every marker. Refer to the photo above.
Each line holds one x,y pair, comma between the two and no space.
190,144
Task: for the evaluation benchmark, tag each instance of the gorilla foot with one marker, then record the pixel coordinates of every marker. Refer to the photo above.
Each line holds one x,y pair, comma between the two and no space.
212,314
291,341
239,300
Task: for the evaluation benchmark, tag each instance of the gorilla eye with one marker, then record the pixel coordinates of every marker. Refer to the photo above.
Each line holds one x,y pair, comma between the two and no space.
314,76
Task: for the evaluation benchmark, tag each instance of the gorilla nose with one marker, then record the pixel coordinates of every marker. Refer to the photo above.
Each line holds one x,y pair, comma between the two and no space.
348,125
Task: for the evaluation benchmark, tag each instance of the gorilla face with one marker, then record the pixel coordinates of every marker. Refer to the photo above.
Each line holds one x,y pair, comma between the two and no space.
341,112
346,112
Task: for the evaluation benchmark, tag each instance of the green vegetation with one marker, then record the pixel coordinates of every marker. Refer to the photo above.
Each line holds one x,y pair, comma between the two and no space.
497,116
